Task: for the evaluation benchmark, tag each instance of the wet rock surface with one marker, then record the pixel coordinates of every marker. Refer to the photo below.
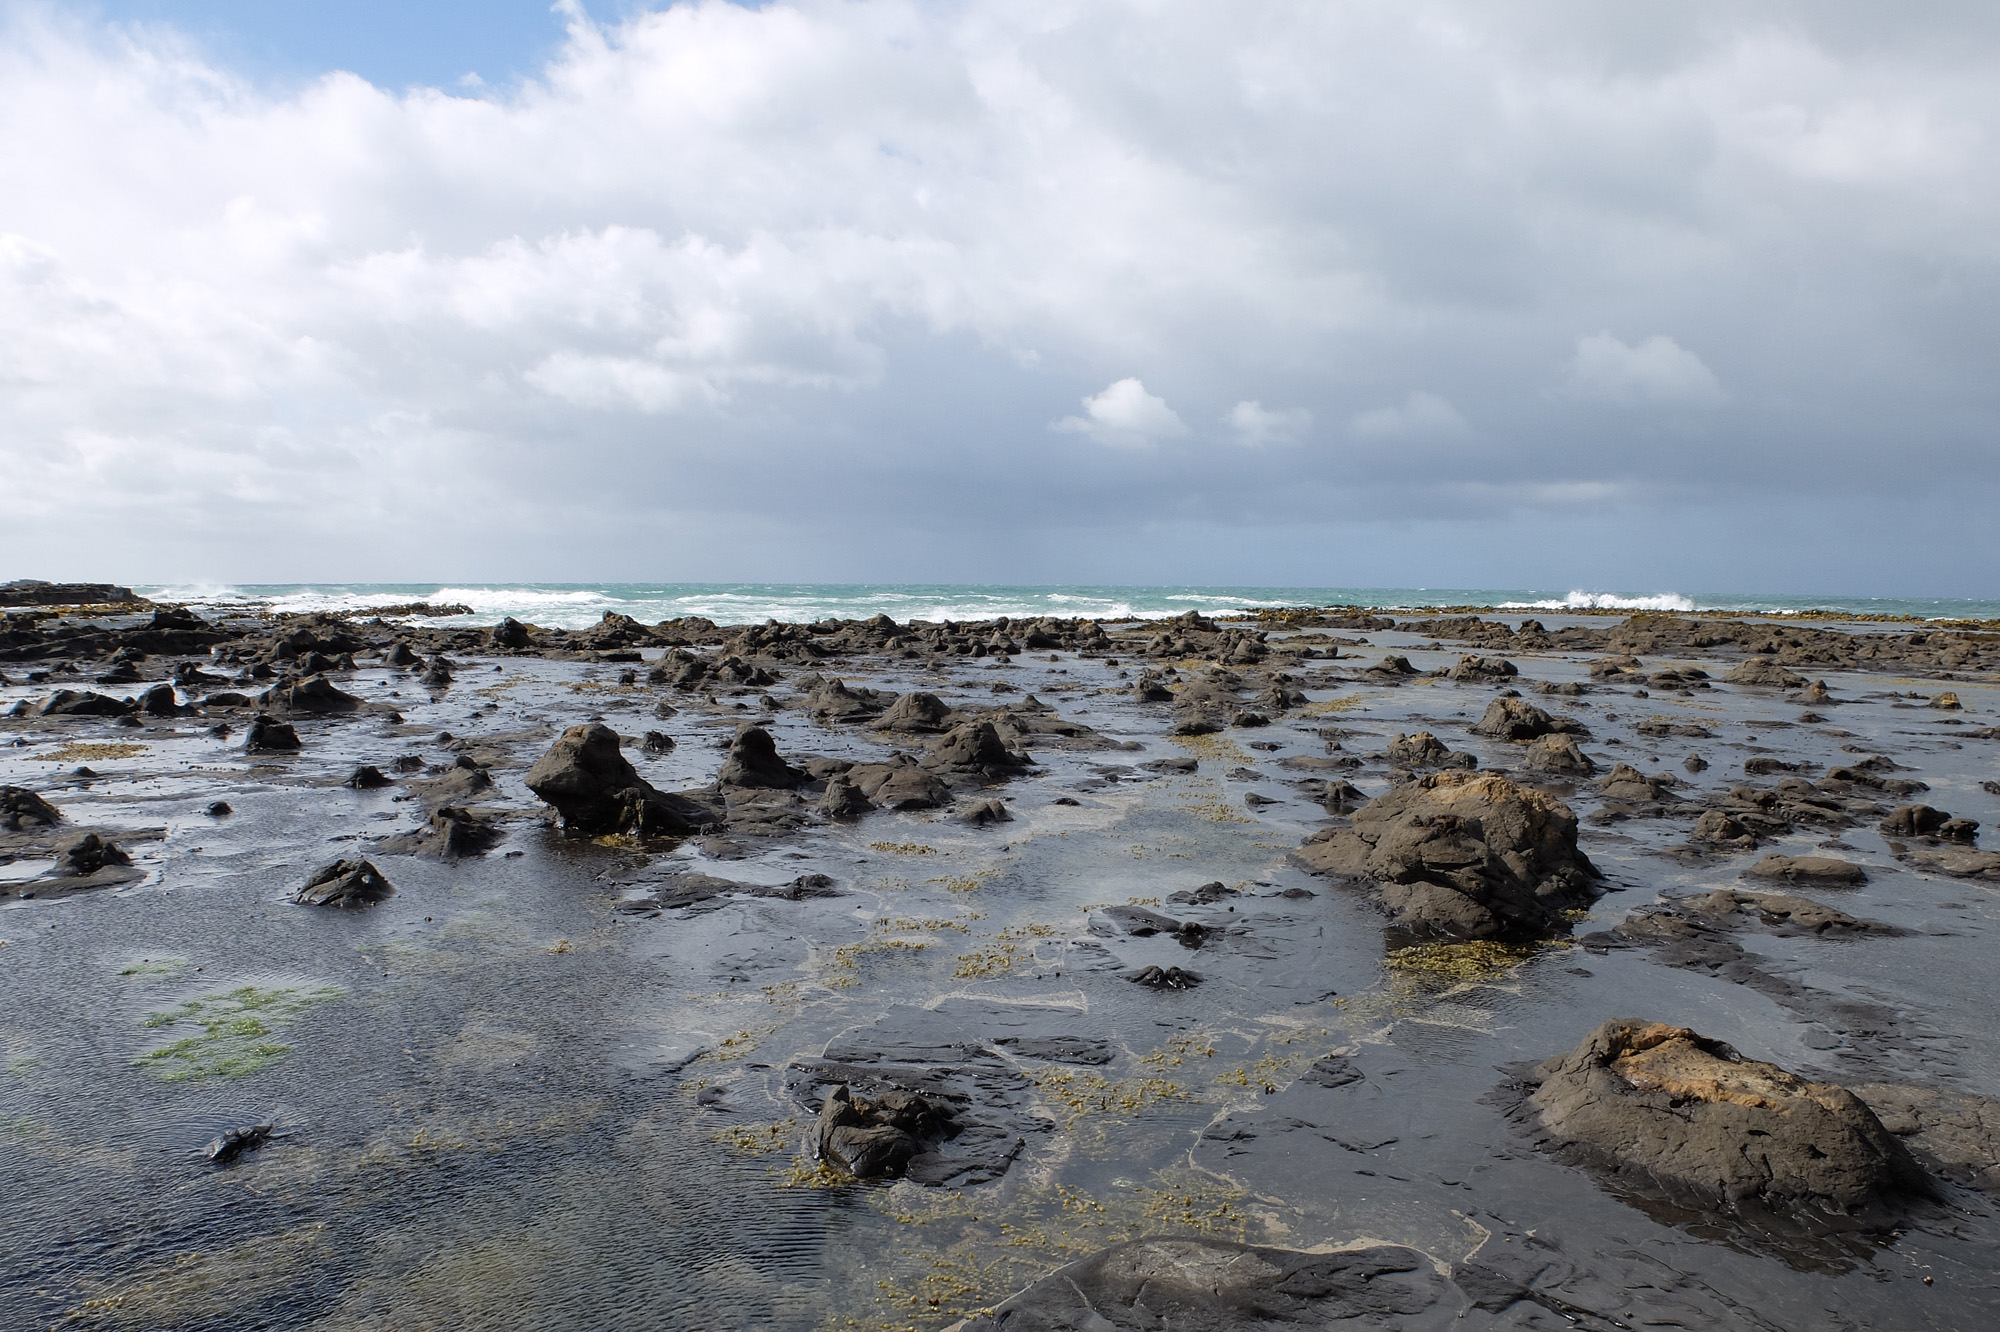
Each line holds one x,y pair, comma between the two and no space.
1464,855
1663,1103
1120,1012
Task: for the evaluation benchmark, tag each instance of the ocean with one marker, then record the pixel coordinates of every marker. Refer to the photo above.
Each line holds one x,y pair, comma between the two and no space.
576,605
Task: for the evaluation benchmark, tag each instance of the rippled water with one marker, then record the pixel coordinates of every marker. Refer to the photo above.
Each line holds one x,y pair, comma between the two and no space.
504,1104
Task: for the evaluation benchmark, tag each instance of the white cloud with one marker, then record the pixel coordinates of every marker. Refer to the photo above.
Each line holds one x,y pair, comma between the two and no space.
1419,416
818,260
1256,425
1125,416
1658,370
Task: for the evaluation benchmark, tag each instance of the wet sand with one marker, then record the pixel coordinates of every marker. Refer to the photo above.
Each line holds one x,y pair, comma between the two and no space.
561,1082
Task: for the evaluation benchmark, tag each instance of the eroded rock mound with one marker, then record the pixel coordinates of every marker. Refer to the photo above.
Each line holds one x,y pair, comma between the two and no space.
753,762
345,883
876,1138
1765,672
915,712
21,809
1558,756
1807,869
1518,719
1464,855
589,782
1955,1134
1656,1101
1212,1285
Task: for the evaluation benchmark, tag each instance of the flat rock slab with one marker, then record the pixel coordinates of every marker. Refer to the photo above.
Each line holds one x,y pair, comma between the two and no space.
942,1059
1210,1285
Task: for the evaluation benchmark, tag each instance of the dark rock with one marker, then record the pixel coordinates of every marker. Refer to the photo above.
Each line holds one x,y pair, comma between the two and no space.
1424,750
1164,978
400,656
872,1139
455,832
315,695
509,633
1464,855
78,703
975,749
1393,667
1955,1134
834,700
232,1143
1189,1284
1627,785
1139,922
367,777
345,883
589,782
843,801
1661,1103
1470,669
902,783
1172,765
1765,672
159,701
980,813
914,712
85,854
753,762
217,809
35,592
1923,821
1518,719
1811,869
1559,756
657,742
268,735
21,809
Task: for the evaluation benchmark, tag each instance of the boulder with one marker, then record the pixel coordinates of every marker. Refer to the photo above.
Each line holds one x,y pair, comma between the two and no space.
315,695
1765,672
367,777
980,813
873,1139
1807,869
1424,750
902,783
1722,828
975,749
1626,785
159,701
1661,1104
594,789
1518,719
843,801
268,735
914,712
1558,756
22,809
1481,668
81,703
753,762
1955,1134
345,883
1923,821
1464,855
509,633
1198,1284
835,700
85,854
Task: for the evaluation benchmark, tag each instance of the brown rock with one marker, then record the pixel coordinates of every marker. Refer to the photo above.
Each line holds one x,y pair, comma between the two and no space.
1658,1101
1464,855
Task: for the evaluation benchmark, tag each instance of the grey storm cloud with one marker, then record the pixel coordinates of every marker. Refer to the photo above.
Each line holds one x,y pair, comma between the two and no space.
1320,293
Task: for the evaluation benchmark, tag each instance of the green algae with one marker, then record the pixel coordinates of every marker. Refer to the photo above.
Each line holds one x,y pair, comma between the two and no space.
237,1032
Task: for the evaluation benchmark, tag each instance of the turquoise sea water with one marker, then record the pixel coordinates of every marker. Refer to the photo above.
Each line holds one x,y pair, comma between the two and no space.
575,605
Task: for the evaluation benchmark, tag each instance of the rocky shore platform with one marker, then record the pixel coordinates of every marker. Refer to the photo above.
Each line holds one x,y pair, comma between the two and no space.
1317,968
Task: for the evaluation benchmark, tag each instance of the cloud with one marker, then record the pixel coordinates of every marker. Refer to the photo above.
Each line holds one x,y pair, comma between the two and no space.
1420,416
1658,370
1255,425
833,267
1125,416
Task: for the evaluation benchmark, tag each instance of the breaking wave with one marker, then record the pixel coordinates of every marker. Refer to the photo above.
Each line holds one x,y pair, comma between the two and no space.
1580,600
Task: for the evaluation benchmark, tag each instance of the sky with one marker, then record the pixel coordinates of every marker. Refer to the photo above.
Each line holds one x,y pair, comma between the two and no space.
1476,293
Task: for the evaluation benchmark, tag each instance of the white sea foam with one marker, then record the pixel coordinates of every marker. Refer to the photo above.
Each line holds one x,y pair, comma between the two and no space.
1580,600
